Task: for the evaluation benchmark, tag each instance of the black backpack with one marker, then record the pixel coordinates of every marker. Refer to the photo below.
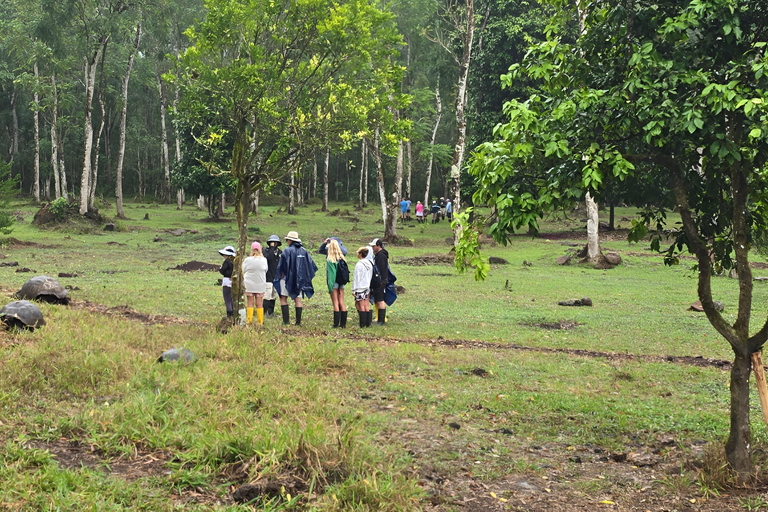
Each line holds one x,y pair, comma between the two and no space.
375,278
342,272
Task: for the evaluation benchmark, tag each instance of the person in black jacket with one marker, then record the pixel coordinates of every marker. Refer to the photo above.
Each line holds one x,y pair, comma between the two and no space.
226,280
272,253
381,260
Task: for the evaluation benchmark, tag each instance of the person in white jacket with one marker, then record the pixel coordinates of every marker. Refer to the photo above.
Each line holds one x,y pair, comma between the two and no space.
255,282
361,281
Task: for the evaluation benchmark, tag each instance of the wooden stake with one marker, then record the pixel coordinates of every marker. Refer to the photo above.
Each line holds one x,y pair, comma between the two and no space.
762,388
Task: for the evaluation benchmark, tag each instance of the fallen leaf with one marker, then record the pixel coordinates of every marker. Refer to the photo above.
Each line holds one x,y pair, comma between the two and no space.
607,502
493,494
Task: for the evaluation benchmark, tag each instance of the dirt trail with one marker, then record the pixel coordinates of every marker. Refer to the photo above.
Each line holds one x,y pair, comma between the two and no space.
611,356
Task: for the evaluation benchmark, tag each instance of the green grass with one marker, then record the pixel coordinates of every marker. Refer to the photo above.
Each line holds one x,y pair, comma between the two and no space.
339,410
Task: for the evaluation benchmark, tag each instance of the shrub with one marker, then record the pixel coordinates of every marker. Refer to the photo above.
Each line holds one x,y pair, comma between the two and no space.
58,208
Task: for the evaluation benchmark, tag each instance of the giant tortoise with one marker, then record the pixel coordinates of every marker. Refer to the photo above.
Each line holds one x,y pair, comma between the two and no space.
44,288
22,314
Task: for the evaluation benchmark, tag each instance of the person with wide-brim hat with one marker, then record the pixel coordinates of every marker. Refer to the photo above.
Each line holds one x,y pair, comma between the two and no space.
226,277
294,275
272,253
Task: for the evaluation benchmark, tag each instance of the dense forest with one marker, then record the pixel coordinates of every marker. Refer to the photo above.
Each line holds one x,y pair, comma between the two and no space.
89,102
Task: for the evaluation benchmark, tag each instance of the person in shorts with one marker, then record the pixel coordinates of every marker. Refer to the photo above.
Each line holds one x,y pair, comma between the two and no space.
272,253
403,209
381,260
335,290
449,209
435,211
419,212
361,281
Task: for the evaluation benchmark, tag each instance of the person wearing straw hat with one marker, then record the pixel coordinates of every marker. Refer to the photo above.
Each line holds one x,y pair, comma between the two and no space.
272,253
226,280
255,282
294,276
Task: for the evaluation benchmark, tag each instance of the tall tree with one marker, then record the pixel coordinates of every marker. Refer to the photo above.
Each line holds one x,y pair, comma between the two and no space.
625,100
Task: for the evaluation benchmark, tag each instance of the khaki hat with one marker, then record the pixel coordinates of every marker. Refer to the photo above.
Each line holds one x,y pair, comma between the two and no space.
293,236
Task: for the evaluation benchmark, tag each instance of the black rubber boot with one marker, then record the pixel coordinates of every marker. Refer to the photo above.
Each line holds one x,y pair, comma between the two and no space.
369,318
343,322
286,314
336,319
382,316
298,316
269,308
362,318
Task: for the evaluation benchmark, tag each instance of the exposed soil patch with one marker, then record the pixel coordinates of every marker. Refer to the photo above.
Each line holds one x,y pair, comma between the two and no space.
427,259
194,266
759,265
116,243
15,243
72,454
611,356
127,312
564,325
45,216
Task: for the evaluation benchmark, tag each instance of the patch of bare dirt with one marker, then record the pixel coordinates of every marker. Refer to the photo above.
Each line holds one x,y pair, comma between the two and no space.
71,454
127,312
427,259
564,325
759,265
610,356
195,266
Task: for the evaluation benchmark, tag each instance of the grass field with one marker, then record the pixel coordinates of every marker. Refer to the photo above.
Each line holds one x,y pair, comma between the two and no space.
475,396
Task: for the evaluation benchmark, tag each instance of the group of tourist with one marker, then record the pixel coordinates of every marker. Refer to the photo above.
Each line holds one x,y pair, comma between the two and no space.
443,209
273,274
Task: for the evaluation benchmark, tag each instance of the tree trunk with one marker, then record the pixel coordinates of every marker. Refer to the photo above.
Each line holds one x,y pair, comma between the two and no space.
325,179
336,181
179,198
737,446
63,171
55,139
164,139
292,193
365,184
255,202
95,173
36,184
123,117
461,104
390,229
380,177
439,104
612,216
222,204
410,169
362,172
314,175
90,79
593,239
14,148
200,202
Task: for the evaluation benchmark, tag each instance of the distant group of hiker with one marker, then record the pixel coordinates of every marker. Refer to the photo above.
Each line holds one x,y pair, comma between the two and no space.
273,274
438,210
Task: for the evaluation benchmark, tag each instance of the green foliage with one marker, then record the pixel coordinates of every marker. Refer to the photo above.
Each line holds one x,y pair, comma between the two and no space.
58,208
468,248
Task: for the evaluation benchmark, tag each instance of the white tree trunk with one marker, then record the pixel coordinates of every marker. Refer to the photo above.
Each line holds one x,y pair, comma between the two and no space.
292,192
63,172
390,230
461,104
365,181
90,79
14,149
439,103
123,117
164,137
95,173
313,185
380,176
179,198
36,184
55,139
325,178
200,202
362,171
255,202
410,170
593,240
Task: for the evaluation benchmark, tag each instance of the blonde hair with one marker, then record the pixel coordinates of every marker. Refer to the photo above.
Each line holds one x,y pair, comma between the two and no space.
334,252
363,252
257,253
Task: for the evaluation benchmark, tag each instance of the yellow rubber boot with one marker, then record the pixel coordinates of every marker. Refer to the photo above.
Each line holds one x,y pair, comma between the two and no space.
260,315
376,317
249,312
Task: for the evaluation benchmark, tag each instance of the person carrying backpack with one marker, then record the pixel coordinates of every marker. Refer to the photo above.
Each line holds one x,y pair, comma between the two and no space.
337,276
381,261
